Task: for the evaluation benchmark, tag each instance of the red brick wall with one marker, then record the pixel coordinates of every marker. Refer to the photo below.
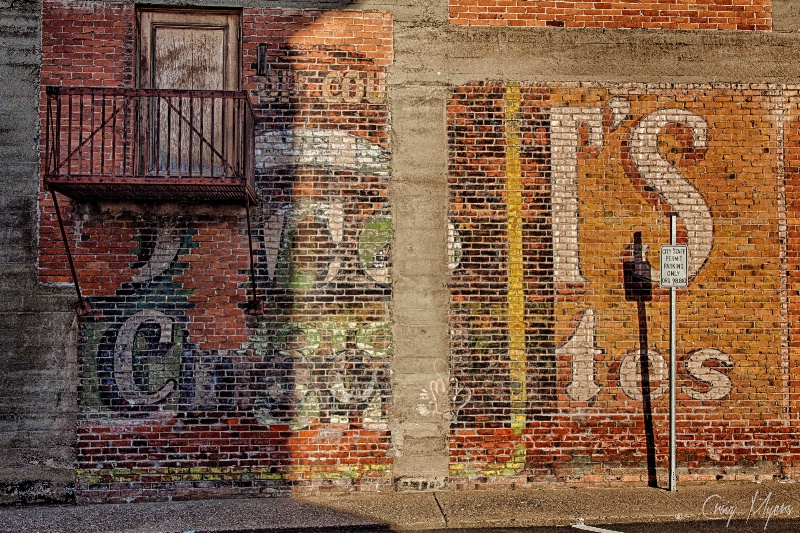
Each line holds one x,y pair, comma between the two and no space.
580,179
559,200
791,366
88,44
182,392
681,15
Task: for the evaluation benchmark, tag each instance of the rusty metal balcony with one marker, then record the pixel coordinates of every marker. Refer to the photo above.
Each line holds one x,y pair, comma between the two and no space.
149,144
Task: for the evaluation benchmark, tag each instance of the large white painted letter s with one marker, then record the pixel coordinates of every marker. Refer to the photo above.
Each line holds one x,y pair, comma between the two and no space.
719,384
660,174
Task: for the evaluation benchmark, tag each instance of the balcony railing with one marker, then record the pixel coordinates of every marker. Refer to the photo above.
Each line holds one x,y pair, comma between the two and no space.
149,144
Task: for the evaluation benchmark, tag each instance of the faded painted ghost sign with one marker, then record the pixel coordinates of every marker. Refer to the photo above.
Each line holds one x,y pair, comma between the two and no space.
578,174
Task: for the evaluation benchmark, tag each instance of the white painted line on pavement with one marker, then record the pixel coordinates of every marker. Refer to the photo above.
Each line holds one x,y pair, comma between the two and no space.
595,529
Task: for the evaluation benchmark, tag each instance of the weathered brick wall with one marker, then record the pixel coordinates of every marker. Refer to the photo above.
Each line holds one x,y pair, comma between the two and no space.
681,15
560,196
86,44
522,236
181,391
791,262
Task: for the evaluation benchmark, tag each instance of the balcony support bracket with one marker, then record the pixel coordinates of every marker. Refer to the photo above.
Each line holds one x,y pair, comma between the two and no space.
255,306
82,308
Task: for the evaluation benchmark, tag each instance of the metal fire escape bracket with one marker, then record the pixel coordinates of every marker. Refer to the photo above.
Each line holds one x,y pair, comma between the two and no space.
150,145
83,308
256,306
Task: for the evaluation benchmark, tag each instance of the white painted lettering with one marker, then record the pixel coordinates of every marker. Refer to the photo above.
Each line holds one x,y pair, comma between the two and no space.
630,374
565,144
671,185
719,384
581,349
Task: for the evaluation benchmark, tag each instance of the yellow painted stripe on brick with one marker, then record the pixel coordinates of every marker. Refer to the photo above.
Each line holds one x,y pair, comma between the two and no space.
516,289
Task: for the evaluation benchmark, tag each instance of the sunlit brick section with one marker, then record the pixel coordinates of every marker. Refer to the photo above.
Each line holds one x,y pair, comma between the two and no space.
680,15
570,188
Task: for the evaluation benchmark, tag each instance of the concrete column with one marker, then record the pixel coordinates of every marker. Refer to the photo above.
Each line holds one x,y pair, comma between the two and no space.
420,412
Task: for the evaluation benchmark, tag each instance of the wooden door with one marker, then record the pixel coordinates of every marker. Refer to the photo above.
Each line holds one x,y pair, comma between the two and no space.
193,50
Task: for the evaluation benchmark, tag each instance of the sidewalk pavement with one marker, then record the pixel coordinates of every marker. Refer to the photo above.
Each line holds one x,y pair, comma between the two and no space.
423,510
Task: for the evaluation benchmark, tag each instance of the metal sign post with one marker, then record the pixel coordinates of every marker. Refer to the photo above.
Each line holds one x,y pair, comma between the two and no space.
674,273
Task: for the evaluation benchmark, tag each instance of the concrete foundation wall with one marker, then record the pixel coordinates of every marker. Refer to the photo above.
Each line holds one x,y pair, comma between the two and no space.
38,363
501,165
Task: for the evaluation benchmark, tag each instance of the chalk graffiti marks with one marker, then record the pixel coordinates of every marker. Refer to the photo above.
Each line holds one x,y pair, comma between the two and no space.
432,396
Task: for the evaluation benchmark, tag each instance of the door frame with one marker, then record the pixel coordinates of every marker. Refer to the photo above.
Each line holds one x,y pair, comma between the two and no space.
149,19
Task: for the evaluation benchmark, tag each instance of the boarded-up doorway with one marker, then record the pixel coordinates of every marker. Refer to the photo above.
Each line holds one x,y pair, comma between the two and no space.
194,50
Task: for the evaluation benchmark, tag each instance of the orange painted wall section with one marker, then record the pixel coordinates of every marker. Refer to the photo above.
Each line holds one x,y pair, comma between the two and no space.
602,169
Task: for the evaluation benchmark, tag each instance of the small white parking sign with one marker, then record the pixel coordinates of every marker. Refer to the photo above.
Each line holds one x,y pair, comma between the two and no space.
674,266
